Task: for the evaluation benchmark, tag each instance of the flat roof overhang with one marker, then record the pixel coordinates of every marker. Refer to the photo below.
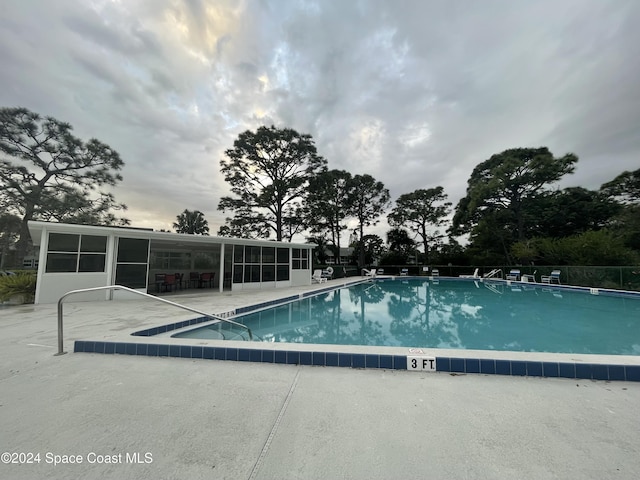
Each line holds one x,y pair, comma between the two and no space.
165,238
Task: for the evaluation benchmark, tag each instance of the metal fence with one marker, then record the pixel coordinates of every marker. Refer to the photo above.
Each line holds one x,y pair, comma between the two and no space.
624,278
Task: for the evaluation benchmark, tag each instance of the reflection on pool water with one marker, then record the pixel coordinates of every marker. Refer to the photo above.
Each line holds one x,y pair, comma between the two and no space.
453,314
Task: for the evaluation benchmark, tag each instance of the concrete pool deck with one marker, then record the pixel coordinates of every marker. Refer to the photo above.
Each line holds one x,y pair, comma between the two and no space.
222,419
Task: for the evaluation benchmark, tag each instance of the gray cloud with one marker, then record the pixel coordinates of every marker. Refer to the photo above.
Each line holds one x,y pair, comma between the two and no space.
414,93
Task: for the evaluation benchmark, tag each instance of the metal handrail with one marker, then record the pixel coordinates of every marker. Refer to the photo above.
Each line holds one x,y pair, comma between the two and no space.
120,287
493,273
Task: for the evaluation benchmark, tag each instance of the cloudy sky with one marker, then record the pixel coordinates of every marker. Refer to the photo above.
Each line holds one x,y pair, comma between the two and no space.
413,92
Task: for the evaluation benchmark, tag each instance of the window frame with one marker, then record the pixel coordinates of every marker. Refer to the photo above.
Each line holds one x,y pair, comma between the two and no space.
300,259
260,264
122,273
82,251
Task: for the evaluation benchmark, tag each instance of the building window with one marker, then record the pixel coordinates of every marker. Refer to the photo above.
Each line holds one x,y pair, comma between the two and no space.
30,262
268,255
300,259
251,273
238,273
252,254
268,273
163,260
238,263
283,255
282,268
202,260
252,259
282,272
132,264
260,264
76,253
133,250
238,254
268,264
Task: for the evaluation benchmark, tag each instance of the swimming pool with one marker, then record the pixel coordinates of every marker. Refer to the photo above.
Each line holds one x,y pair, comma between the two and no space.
452,314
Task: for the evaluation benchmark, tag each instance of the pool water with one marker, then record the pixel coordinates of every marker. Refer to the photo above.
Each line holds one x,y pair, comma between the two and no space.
453,314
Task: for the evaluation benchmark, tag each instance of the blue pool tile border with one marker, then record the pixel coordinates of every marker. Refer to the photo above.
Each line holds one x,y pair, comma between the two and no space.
453,365
150,332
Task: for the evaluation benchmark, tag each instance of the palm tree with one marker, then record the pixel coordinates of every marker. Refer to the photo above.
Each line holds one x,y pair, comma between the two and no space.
192,222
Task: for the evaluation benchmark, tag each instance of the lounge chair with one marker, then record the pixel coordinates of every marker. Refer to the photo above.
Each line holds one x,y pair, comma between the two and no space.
369,273
317,276
553,278
530,278
475,274
404,272
327,273
380,271
514,274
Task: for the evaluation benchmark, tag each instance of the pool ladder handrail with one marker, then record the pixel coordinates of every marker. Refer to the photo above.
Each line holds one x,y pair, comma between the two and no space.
493,273
121,287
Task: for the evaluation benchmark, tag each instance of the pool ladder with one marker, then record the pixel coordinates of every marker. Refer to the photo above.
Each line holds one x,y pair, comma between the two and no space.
131,290
493,274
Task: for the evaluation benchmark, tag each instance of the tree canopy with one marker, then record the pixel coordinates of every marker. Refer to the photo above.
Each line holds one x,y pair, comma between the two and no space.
570,211
592,247
329,203
401,247
47,173
366,249
268,171
320,251
501,193
282,187
369,201
192,222
625,187
420,210
507,182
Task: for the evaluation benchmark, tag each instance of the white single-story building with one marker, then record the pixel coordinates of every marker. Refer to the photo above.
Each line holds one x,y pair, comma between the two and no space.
73,257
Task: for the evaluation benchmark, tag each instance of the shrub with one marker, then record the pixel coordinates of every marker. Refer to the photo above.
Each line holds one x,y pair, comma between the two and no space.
588,248
20,284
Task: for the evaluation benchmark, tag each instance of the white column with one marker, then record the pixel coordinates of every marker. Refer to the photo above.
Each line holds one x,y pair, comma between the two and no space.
42,263
221,280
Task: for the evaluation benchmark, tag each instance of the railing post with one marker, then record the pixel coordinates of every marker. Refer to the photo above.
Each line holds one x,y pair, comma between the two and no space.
60,336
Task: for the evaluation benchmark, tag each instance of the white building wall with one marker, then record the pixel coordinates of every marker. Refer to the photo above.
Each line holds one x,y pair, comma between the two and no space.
300,277
53,285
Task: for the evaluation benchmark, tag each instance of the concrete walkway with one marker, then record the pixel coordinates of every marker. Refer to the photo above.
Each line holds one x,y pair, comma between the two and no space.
128,417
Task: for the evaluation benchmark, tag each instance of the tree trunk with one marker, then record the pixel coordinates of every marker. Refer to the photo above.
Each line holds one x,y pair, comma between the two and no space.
22,245
519,220
279,224
425,241
361,256
24,242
